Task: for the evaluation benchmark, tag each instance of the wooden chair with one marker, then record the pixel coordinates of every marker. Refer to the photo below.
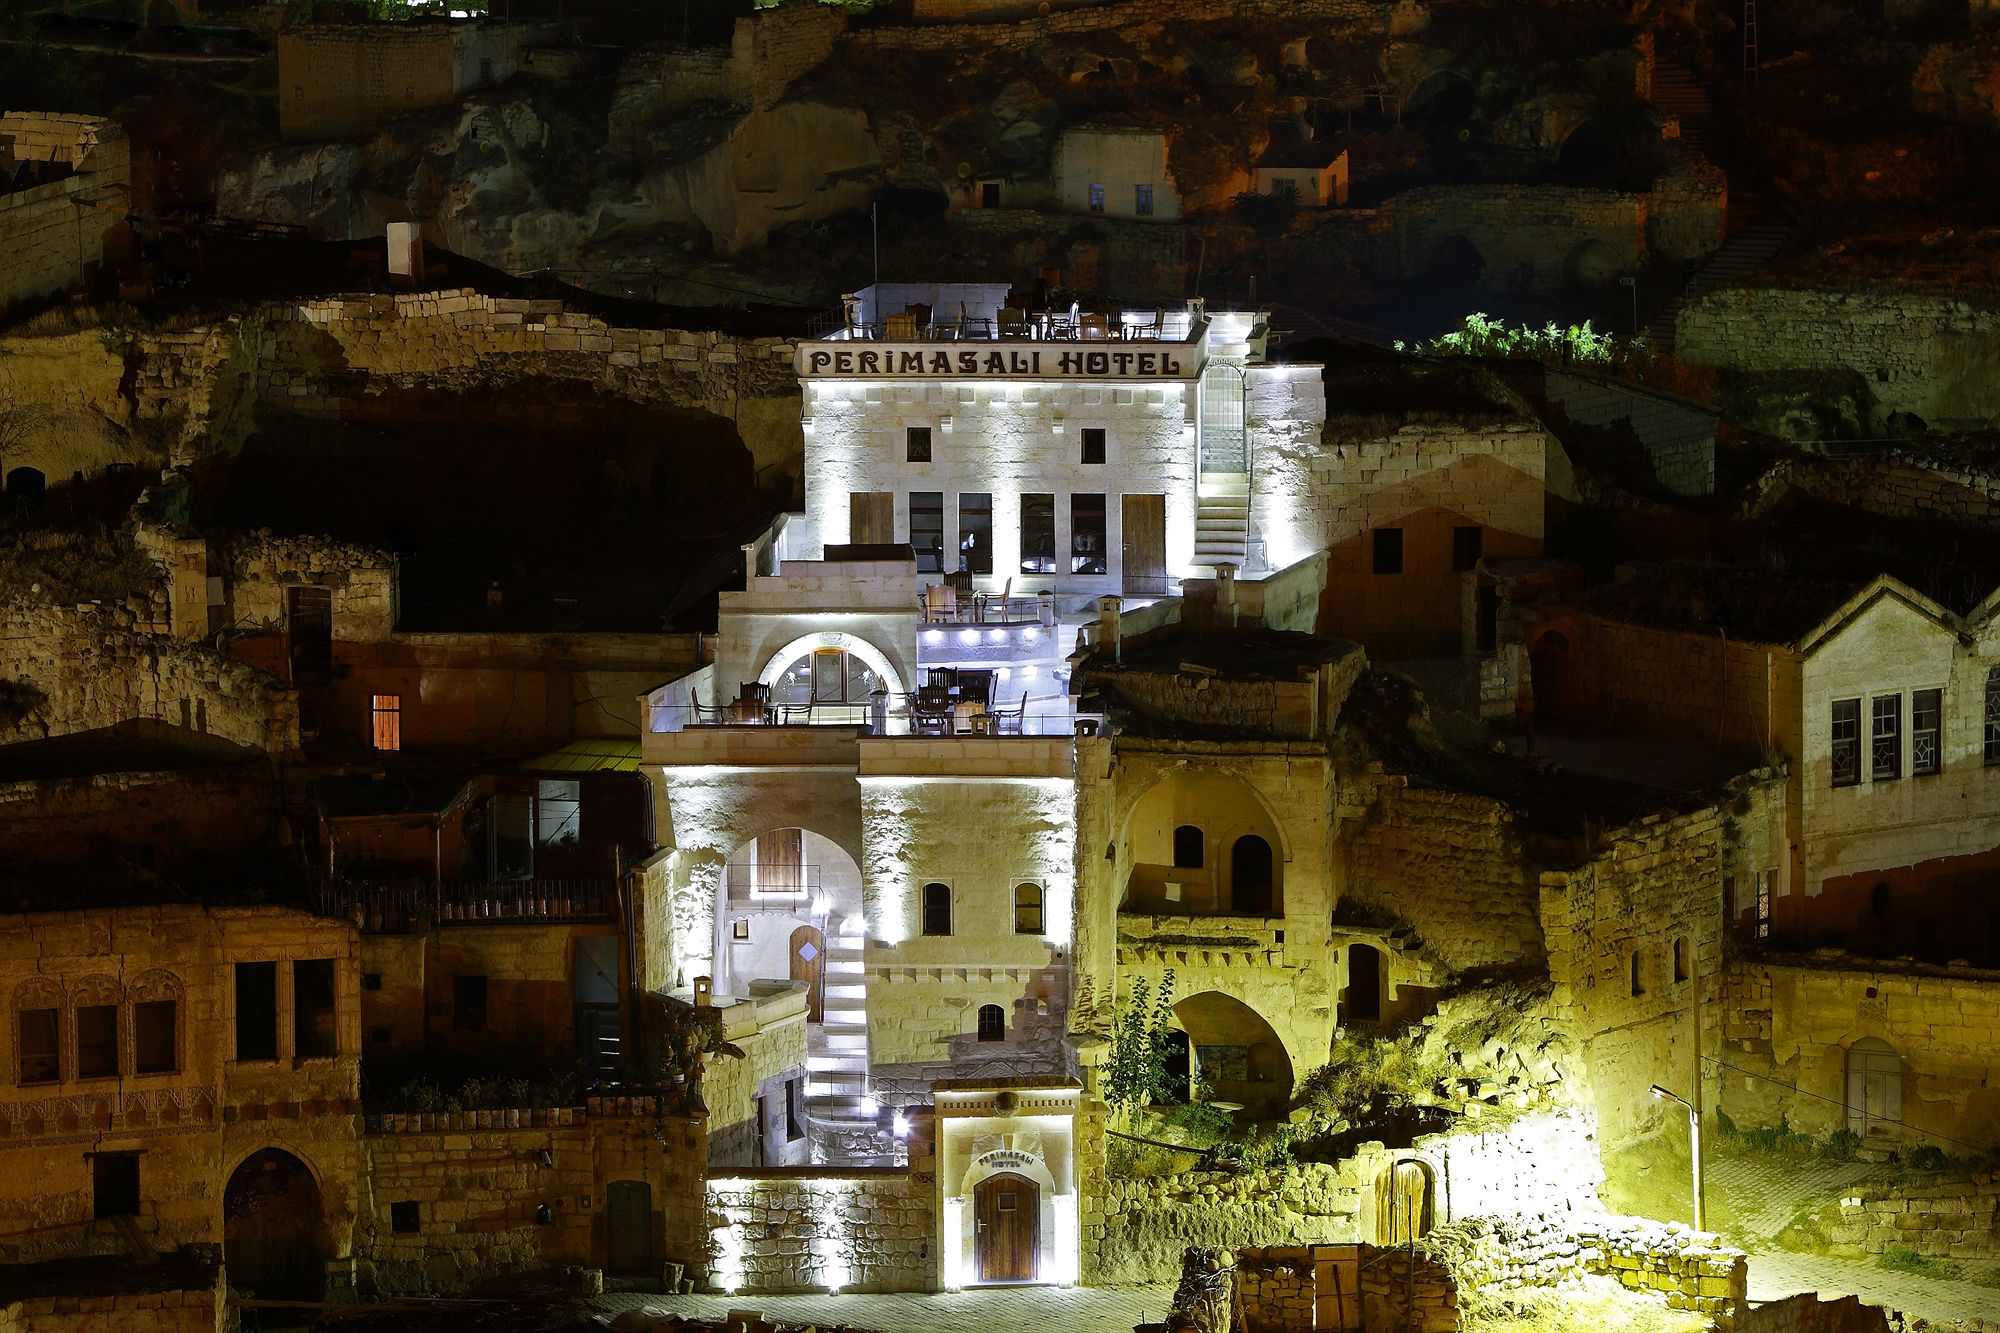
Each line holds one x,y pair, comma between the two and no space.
930,710
1013,322
1094,328
940,603
899,329
1012,720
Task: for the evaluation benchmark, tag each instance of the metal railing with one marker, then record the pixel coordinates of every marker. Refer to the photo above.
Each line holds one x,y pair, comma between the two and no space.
785,883
388,907
1036,326
897,715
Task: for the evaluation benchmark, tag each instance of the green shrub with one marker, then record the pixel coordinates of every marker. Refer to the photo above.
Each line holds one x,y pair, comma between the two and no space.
1841,1146
1903,1259
1930,1157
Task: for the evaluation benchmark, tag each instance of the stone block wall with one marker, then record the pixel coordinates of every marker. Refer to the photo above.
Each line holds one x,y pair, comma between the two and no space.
477,1181
1678,436
258,569
771,1032
52,235
1532,238
812,1229
63,818
1150,1220
1930,353
1900,482
200,1310
1941,1219
1693,1270
1449,865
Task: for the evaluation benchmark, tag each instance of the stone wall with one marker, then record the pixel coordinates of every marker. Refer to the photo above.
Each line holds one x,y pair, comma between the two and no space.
1693,1270
477,1180
52,235
1448,864
196,1310
770,1029
869,1229
1284,1289
983,11
1530,238
1940,1219
1788,1024
1150,1220
67,818
258,569
98,665
1906,482
1933,354
343,81
1677,436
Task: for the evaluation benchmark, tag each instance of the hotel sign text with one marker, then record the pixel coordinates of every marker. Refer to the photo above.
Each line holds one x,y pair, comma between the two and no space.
1078,361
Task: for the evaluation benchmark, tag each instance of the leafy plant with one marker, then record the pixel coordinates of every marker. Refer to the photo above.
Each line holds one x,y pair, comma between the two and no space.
1903,1259
1200,1119
1842,1144
1140,1049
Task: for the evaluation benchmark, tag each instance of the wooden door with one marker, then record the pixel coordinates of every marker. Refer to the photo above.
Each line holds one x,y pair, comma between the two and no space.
871,518
1874,1088
628,1227
1145,538
809,966
1402,1203
1009,1212
781,856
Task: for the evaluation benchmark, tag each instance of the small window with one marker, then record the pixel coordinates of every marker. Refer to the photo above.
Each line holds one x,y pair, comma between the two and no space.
1880,899
927,530
405,1219
937,909
1086,535
1284,185
1467,545
1926,732
114,1184
1845,736
314,1034
41,1046
1388,550
386,715
1096,198
917,444
1638,983
1093,444
1027,909
485,69
468,1004
256,1011
1766,885
975,532
1038,534
155,1037
1993,716
1680,960
1885,752
992,1023
1187,848
795,1110
1142,200
97,1041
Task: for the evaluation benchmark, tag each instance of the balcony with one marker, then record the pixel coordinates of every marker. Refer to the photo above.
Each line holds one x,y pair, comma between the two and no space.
397,907
1199,940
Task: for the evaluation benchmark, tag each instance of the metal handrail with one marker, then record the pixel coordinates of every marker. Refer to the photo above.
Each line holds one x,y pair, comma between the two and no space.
902,715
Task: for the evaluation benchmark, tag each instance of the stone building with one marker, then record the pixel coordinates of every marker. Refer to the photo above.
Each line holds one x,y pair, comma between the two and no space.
65,183
343,81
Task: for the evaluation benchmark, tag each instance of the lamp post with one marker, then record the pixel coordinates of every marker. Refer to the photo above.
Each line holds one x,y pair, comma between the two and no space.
1632,284
1694,1146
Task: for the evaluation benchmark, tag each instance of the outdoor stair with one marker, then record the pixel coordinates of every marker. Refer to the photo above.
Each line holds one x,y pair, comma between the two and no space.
1222,521
837,1047
1678,92
1758,231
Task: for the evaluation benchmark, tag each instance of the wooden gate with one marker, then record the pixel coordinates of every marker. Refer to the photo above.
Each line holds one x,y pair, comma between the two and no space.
628,1227
809,966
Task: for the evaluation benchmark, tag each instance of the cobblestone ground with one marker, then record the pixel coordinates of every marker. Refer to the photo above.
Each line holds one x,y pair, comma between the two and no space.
1777,1275
1765,1192
991,1310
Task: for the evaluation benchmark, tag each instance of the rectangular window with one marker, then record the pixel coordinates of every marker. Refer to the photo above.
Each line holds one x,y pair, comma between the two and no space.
917,444
97,1041
314,1035
937,909
386,716
256,1011
927,530
795,1117
1096,197
1086,535
1388,552
1284,185
1467,545
1885,753
558,814
1142,200
114,1184
1846,742
405,1219
41,1046
155,1037
1093,444
1038,534
468,1004
1926,731
975,532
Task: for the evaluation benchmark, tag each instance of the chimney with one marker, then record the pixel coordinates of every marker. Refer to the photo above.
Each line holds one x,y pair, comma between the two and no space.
1108,635
1225,597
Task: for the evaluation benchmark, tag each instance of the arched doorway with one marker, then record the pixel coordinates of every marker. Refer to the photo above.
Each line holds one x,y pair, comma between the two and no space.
1250,876
1440,107
271,1219
809,966
1403,1203
1588,156
27,488
1007,1210
1874,1089
1453,262
1364,984
1236,1053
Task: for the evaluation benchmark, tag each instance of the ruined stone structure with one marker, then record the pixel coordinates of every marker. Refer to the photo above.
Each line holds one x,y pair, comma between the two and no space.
65,182
341,81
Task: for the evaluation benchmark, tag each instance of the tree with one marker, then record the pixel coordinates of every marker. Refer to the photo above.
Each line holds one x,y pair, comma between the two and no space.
1140,1047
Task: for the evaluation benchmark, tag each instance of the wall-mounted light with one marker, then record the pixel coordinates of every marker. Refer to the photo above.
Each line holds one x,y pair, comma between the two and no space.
544,1215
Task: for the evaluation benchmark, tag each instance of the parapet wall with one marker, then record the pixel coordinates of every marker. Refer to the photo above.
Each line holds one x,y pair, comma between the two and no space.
1940,1219
812,1229
52,235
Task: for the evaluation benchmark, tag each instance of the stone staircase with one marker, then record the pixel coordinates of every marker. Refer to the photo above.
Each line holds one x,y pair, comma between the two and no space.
837,1046
1678,92
1758,230
1222,521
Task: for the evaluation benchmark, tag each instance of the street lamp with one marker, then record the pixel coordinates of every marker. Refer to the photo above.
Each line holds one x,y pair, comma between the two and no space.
1694,1145
1633,284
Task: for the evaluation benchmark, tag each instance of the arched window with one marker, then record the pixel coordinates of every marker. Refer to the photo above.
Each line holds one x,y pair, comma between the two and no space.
992,1023
1681,959
1187,847
825,676
937,909
1638,986
38,1006
1027,909
1250,875
1993,716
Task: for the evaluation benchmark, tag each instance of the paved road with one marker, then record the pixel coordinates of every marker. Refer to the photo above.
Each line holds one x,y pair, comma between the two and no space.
1776,1275
992,1310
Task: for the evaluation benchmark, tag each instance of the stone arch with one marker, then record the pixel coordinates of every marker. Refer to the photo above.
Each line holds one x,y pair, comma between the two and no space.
27,488
875,659
1588,154
273,1226
1247,1062
1001,1161
1442,103
97,988
772,884
154,984
1452,262
1590,264
1226,809
39,993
